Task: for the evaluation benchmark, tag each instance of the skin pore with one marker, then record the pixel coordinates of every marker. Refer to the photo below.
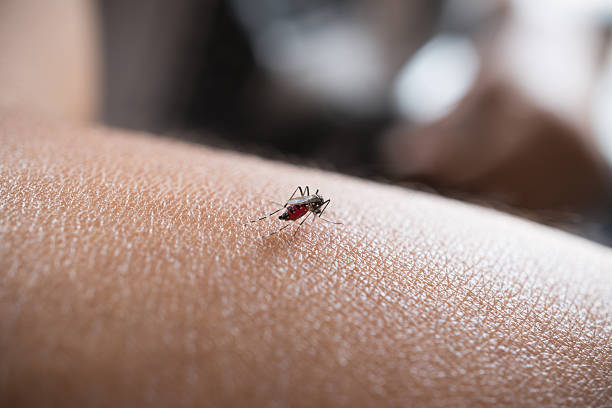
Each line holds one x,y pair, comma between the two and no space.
127,278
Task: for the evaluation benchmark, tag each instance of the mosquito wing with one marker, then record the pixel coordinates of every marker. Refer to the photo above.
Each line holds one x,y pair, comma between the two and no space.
303,200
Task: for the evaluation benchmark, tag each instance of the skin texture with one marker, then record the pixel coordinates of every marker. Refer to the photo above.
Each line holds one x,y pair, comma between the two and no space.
128,279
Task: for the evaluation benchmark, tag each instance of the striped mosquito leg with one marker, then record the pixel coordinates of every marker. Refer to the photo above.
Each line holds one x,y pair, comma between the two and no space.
305,218
276,232
295,191
264,217
325,204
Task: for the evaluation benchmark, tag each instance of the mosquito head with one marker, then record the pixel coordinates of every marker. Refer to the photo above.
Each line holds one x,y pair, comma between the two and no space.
316,206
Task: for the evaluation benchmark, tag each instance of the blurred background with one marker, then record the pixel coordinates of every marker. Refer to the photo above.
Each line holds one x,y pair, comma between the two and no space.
506,103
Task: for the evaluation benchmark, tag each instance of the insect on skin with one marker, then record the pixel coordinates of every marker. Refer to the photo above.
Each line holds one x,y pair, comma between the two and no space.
298,207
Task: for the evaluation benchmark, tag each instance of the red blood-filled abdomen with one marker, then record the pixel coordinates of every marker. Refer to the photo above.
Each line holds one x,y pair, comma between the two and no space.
296,211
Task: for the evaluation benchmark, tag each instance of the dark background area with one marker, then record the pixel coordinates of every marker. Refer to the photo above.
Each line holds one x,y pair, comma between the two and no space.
188,69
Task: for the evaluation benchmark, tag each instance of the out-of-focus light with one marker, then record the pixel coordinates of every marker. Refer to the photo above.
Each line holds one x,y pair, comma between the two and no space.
552,11
340,62
602,114
436,78
321,48
601,108
550,50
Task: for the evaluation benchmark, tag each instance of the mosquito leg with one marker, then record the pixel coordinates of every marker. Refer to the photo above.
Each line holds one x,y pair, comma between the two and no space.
307,191
305,218
325,204
264,217
295,191
293,195
276,232
274,212
331,222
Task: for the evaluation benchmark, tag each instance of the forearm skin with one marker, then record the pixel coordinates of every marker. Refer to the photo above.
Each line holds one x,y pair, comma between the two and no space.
128,278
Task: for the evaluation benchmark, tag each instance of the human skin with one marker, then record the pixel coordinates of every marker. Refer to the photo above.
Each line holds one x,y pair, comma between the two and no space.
127,278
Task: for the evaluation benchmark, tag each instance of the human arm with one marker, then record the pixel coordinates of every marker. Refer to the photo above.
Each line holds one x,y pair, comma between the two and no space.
128,278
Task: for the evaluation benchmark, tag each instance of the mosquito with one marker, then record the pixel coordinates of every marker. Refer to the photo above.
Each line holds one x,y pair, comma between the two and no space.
300,206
